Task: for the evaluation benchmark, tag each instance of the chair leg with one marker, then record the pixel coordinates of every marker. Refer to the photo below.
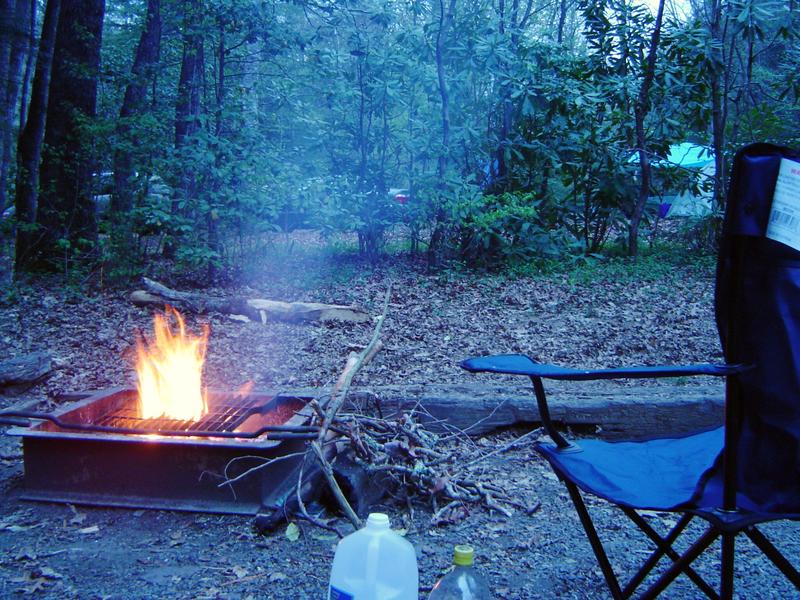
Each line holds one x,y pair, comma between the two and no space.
594,540
728,559
680,565
772,553
664,545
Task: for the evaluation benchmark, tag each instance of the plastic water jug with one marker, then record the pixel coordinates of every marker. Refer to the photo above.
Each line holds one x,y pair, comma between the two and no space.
374,563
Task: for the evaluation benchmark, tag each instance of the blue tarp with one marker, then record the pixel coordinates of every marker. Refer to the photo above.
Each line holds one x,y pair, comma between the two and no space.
685,154
686,203
690,156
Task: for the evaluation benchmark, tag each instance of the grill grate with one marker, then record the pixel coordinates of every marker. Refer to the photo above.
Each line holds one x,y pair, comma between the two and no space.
225,414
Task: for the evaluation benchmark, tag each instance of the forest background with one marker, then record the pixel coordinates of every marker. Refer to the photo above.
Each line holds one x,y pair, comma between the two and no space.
179,139
497,132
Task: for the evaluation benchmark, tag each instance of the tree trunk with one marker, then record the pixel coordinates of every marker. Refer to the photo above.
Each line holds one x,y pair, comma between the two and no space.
66,208
134,105
7,28
512,23
18,47
29,145
214,243
640,112
717,101
29,63
562,19
445,19
187,108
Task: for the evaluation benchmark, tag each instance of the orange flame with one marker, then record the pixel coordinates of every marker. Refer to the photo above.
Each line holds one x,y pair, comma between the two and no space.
170,371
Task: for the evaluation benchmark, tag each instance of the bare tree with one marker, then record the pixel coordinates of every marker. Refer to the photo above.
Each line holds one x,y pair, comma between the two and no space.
29,145
445,23
640,110
13,51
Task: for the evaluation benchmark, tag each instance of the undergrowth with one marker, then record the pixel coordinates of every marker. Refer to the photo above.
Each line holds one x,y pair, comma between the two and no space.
663,261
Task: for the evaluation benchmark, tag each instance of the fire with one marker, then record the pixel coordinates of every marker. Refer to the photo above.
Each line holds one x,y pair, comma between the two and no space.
170,371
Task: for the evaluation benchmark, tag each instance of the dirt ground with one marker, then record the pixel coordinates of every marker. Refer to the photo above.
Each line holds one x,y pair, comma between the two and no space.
64,551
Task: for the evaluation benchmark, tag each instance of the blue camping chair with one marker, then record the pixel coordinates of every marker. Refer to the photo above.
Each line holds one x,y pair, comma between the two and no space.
733,477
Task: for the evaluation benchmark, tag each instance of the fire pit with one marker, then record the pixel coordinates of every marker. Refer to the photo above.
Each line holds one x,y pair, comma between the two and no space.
100,451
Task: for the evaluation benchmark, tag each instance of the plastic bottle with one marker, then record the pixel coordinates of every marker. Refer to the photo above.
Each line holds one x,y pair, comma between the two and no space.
464,582
374,563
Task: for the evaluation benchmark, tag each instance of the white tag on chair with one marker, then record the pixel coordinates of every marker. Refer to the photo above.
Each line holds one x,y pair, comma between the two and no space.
784,218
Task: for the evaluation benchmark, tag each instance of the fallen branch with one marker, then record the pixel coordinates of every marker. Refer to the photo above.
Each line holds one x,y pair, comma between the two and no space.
259,310
263,463
513,443
338,396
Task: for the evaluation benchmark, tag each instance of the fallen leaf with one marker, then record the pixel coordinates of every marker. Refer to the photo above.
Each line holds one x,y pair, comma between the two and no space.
239,571
26,554
87,530
50,573
35,585
176,539
292,532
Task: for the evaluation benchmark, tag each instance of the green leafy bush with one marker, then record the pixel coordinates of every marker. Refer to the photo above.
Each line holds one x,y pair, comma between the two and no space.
498,229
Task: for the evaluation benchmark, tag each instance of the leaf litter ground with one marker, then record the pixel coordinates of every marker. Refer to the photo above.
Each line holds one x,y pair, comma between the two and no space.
434,321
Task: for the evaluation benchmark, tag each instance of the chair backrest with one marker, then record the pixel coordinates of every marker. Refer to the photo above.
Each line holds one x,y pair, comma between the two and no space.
758,317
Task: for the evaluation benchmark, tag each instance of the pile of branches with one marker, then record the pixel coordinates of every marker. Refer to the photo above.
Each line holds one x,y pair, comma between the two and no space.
374,455
415,464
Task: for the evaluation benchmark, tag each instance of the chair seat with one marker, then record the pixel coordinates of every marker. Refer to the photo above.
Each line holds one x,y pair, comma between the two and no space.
657,474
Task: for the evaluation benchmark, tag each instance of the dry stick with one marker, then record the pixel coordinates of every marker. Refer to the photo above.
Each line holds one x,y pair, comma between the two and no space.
338,396
265,463
490,501
506,448
302,505
461,432
227,480
437,516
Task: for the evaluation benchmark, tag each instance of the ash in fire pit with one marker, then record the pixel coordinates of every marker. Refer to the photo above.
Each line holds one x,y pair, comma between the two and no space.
100,451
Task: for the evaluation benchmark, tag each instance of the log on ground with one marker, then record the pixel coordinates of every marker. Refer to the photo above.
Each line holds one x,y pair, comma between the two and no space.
613,411
254,309
21,372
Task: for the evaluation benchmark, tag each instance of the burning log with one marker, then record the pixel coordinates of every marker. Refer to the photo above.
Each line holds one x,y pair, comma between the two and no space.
254,309
21,372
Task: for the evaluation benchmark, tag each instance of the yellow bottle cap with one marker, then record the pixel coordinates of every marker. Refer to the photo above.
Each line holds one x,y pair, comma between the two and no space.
463,555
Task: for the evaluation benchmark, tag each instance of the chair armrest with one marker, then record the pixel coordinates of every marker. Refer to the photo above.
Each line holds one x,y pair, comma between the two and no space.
519,364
